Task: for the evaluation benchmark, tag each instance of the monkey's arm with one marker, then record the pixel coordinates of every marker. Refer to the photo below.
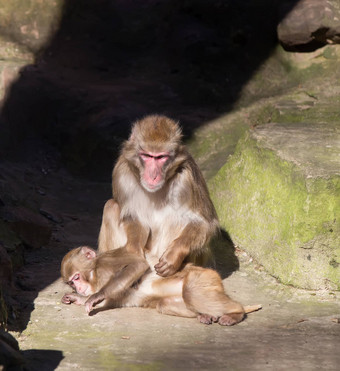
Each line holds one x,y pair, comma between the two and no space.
119,283
193,237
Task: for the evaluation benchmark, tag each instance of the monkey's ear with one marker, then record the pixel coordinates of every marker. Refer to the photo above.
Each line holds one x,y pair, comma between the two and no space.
88,252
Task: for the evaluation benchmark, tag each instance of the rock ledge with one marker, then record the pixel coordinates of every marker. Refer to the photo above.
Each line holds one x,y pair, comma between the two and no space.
279,198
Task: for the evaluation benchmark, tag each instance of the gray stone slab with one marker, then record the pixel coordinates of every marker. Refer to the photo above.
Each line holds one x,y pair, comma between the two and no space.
315,148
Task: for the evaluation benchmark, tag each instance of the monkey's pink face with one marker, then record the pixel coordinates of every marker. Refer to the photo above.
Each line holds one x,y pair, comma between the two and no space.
152,177
79,283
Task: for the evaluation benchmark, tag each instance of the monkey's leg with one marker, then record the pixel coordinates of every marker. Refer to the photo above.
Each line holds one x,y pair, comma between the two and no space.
204,294
112,234
174,306
137,236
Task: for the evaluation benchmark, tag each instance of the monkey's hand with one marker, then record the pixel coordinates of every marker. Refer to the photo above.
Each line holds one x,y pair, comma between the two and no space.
93,300
170,262
73,298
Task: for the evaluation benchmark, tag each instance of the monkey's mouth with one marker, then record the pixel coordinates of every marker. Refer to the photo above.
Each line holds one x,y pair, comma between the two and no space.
152,187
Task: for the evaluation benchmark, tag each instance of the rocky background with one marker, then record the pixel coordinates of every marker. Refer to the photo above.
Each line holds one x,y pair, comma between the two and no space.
255,85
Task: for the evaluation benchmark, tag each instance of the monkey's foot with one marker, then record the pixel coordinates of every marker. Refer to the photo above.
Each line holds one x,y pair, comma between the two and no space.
206,319
230,319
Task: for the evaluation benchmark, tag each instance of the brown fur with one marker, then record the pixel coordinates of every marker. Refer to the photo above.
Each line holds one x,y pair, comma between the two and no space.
110,228
182,203
155,130
191,292
108,275
73,261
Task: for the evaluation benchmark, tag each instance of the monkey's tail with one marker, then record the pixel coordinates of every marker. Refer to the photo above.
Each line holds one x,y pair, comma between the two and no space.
252,308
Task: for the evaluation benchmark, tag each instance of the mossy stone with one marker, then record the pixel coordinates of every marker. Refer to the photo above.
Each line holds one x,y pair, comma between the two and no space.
278,200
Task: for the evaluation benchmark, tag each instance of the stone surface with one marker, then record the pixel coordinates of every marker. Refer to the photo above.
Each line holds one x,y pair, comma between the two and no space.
314,148
310,24
54,336
111,62
279,198
283,335
212,144
30,23
212,65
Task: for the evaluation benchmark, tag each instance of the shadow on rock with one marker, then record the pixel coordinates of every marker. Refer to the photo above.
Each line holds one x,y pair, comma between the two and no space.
14,359
42,359
111,62
225,260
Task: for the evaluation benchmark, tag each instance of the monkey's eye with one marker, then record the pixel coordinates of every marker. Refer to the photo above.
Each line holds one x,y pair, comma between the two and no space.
145,156
74,278
70,283
162,157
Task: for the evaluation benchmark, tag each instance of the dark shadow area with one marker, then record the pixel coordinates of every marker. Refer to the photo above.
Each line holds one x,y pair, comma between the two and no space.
36,359
225,259
41,359
110,63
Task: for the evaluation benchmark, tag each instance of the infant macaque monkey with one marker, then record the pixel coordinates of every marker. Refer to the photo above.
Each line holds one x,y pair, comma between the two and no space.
122,279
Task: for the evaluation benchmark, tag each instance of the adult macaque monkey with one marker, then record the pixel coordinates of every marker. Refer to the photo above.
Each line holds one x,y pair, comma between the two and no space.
192,292
161,202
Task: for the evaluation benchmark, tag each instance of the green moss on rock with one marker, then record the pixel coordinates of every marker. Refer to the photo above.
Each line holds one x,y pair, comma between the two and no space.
213,143
287,219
